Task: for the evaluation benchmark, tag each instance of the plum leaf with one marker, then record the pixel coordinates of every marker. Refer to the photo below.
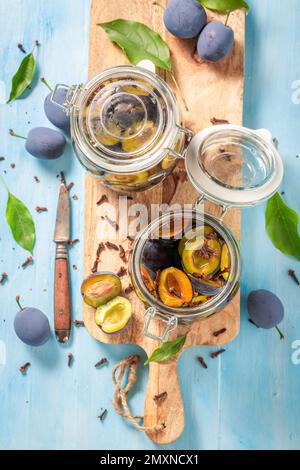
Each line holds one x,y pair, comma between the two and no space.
138,42
223,6
167,350
20,222
282,226
23,77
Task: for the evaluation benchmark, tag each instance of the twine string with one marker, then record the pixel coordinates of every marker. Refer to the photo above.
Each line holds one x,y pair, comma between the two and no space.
120,394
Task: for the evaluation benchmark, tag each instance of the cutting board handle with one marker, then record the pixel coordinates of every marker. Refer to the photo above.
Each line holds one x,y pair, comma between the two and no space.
168,410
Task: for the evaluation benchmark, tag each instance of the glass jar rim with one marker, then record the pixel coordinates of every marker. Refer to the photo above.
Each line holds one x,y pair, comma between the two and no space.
223,194
153,156
212,305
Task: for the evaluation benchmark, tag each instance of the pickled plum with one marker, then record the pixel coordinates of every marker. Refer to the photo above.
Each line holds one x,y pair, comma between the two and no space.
100,288
174,287
193,262
157,256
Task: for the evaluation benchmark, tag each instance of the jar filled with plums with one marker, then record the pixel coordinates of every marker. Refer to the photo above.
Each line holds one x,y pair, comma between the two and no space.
186,264
126,128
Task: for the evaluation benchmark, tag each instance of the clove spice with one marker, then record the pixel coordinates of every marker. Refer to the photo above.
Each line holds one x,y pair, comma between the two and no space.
111,222
21,48
122,271
41,209
102,415
28,261
129,289
3,278
36,179
102,361
220,332
202,362
100,248
217,353
160,397
122,254
78,322
215,121
75,197
292,274
111,246
102,199
62,178
70,359
2,159
24,368
73,242
70,186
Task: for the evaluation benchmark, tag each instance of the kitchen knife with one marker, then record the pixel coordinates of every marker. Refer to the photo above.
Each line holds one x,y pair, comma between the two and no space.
62,308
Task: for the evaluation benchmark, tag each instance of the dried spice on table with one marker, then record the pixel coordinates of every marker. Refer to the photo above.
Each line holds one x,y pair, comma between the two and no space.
101,247
102,200
70,359
215,354
27,262
101,362
24,367
73,242
111,246
293,275
219,332
161,397
202,362
78,323
3,278
41,209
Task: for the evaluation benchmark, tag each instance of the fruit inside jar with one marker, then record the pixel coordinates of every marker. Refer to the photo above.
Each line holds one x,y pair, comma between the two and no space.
185,263
125,120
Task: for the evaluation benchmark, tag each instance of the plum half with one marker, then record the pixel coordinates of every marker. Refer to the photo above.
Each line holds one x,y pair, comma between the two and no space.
100,288
114,315
174,287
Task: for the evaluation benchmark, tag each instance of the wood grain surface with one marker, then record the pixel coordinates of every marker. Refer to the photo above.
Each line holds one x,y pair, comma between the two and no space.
211,91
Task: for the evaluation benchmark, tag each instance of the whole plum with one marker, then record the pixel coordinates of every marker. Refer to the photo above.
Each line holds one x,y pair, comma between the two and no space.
43,143
265,309
185,18
54,113
215,41
32,326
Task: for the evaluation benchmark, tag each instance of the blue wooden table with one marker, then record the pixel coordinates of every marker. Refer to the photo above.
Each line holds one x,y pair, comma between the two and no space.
246,399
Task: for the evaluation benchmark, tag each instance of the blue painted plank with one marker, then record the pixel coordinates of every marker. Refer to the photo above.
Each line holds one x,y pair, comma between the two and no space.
246,399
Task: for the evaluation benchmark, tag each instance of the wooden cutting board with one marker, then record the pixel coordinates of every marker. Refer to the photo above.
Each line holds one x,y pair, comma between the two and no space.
211,91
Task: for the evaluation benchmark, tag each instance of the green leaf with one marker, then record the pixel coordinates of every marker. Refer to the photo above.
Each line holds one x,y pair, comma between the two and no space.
282,226
167,350
23,77
21,224
138,42
224,6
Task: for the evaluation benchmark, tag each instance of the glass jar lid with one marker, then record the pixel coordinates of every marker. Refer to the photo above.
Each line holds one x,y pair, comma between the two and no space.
234,166
127,116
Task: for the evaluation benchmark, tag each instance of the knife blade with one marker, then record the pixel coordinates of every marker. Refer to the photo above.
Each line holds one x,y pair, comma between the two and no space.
62,225
62,308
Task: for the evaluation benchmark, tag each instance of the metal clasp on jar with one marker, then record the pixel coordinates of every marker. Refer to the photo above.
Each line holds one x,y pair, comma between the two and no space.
200,200
71,96
188,137
152,314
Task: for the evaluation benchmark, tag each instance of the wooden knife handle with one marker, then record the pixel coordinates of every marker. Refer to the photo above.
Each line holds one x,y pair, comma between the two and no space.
62,308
